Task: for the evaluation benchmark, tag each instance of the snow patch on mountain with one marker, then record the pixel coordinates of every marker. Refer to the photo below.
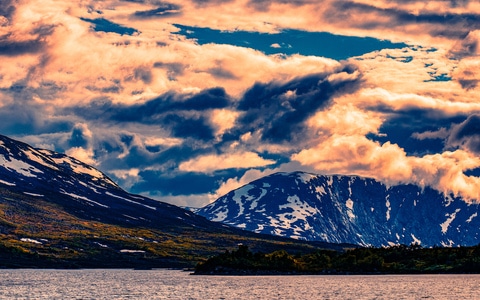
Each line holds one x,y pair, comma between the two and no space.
471,217
7,183
19,166
33,194
449,220
83,198
131,201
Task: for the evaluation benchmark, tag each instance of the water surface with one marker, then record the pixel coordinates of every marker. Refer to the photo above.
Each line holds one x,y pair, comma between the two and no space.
173,284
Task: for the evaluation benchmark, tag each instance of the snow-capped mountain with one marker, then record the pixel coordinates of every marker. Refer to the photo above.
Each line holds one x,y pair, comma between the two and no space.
81,189
347,209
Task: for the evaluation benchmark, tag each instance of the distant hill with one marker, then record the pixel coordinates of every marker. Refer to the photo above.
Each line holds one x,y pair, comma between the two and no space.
56,211
347,209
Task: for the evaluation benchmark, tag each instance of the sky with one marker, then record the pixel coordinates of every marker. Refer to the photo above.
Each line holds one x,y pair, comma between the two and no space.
186,100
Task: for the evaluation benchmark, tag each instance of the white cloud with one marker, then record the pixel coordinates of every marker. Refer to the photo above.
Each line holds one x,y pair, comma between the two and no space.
83,155
356,155
210,163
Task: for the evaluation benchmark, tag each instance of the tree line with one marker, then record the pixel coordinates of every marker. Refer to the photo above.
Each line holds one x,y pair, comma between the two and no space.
399,259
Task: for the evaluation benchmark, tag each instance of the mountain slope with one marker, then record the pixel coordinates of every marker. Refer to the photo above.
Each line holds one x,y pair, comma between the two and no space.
56,211
81,189
347,209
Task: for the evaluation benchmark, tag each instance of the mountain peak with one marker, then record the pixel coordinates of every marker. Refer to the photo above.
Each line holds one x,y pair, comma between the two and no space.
347,209
24,161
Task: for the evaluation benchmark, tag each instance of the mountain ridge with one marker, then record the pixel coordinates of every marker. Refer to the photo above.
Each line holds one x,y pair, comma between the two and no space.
347,209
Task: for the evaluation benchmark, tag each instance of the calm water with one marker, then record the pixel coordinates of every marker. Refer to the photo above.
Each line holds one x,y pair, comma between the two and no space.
170,284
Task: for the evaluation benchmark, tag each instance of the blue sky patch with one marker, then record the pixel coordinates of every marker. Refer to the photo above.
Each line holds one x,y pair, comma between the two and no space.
441,77
291,41
105,25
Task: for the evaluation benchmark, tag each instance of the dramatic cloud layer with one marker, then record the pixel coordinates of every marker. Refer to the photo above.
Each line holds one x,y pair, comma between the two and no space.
185,100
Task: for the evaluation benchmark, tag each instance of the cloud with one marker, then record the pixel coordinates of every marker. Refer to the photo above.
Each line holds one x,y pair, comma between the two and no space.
468,46
7,8
82,154
448,22
280,109
466,75
180,184
163,10
9,47
81,136
210,163
441,133
223,120
389,163
466,135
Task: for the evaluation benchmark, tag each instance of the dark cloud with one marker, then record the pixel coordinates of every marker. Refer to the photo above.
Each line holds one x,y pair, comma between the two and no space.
453,25
143,74
78,138
17,120
280,109
221,73
156,110
468,84
138,156
153,110
21,92
467,47
24,118
44,30
466,134
114,88
459,3
7,9
185,116
173,69
10,47
207,99
163,10
263,5
210,2
181,184
165,183
403,128
184,127
23,115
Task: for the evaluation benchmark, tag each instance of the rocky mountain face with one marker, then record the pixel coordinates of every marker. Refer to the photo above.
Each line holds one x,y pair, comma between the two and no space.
81,189
347,209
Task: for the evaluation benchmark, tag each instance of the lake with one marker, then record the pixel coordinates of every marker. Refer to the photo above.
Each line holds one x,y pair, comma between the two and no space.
174,284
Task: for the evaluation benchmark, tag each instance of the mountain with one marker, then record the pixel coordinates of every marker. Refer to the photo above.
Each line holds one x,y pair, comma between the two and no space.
347,209
56,211
82,189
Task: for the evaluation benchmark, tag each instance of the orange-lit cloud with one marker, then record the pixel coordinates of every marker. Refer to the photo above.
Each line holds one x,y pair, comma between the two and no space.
126,96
